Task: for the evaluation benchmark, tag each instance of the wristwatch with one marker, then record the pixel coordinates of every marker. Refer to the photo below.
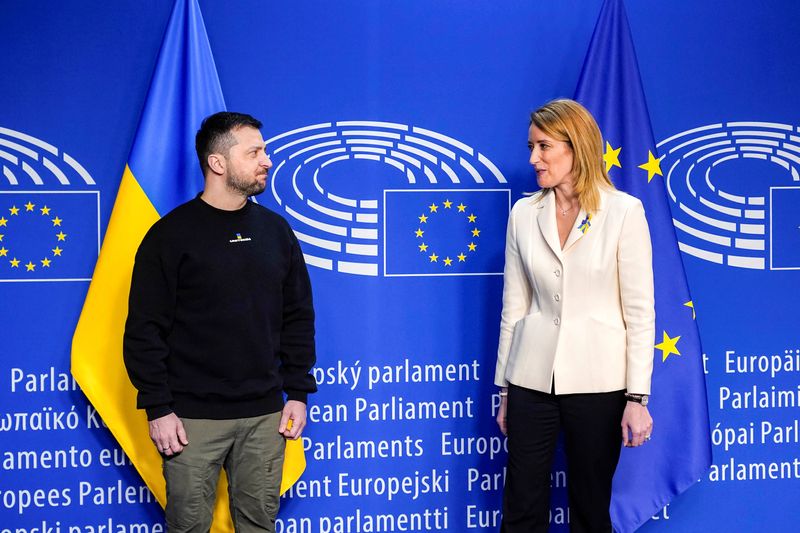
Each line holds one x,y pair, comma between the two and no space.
638,398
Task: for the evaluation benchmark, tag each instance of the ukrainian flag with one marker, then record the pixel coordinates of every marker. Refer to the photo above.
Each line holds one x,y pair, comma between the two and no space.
162,172
679,454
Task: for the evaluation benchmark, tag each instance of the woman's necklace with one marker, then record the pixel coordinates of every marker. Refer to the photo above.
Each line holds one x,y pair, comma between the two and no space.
565,211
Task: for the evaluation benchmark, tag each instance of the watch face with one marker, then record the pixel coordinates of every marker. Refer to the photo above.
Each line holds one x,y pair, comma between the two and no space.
645,400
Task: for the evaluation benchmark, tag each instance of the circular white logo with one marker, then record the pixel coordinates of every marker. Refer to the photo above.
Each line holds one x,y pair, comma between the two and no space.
28,160
719,216
326,180
49,212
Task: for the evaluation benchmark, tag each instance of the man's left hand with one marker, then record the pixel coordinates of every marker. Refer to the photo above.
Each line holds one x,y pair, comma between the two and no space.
293,419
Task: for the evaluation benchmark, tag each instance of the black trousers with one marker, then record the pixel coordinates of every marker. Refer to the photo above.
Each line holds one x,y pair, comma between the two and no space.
592,439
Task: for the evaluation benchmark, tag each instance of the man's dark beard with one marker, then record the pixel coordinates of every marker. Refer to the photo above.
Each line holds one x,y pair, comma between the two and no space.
235,183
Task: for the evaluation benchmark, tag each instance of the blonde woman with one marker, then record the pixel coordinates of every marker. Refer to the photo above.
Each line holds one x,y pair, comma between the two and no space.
577,327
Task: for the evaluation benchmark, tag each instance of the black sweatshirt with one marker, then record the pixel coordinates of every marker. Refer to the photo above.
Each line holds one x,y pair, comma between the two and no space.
220,318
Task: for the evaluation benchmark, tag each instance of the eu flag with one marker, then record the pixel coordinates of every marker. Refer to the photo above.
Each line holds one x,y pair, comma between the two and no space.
785,251
679,453
444,232
48,235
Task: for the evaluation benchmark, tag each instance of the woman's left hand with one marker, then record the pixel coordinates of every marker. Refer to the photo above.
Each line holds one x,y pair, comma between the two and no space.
501,413
637,425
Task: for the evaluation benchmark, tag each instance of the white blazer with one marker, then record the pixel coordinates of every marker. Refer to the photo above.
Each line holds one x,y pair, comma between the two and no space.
584,315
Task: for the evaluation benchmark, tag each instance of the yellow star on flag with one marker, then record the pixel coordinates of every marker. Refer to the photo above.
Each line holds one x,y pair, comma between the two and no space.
611,157
423,219
476,232
461,257
56,221
434,258
668,346
61,236
447,204
461,208
3,252
423,247
45,262
472,218
45,210
3,221
29,206
690,303
14,210
14,263
419,232
472,246
57,251
653,166
433,208
30,266
448,261
1,237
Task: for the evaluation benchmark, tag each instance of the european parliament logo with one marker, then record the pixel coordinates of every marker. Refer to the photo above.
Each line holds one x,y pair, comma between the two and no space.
381,198
46,234
442,232
735,193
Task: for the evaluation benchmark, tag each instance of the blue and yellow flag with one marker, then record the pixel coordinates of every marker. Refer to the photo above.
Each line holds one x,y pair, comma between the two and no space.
162,173
679,453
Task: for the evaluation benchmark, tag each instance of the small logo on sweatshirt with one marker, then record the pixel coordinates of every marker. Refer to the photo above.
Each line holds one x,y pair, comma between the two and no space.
239,238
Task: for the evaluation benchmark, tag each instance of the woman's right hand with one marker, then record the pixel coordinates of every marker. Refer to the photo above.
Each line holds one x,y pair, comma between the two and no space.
501,411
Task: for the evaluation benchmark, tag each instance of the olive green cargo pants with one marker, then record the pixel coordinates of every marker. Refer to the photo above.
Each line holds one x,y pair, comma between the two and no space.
251,451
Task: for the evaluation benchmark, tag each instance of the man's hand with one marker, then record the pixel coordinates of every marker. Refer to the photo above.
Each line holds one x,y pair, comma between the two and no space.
293,419
168,435
637,425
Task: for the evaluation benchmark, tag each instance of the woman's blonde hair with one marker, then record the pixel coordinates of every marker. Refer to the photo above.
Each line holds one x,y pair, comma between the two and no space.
567,120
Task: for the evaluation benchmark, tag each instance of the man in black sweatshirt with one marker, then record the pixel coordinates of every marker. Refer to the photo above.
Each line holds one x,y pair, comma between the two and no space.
220,326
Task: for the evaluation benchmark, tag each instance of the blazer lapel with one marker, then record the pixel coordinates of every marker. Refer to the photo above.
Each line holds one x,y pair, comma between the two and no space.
547,222
582,224
586,223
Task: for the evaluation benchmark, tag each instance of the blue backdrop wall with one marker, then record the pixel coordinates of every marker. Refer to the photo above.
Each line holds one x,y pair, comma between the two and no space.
429,78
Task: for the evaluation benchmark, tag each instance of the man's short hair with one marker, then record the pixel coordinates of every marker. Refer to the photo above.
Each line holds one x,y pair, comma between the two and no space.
214,135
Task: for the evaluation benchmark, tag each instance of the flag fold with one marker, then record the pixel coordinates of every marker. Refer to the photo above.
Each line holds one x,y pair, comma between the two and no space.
679,453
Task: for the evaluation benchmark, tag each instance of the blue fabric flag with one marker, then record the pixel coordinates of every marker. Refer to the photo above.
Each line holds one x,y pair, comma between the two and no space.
679,453
185,89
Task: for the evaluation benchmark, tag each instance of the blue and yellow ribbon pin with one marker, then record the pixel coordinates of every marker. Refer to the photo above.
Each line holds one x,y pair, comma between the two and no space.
585,223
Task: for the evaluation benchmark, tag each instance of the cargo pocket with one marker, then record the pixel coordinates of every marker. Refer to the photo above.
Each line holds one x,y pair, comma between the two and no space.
190,494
